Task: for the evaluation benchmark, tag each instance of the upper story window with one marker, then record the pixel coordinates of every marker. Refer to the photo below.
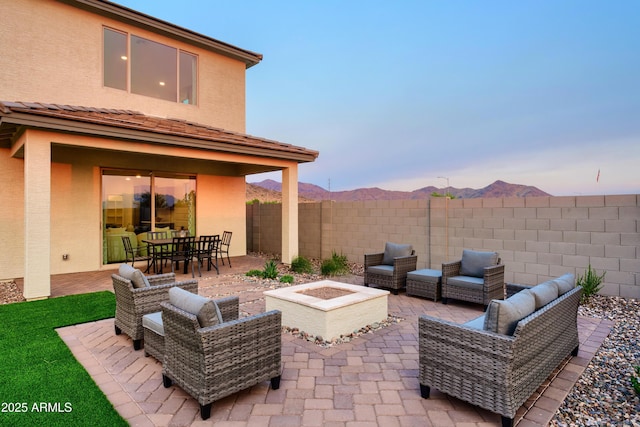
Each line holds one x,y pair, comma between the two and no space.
153,69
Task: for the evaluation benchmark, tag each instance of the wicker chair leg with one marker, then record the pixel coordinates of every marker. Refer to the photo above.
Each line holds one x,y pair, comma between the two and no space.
205,411
137,344
444,300
425,390
166,381
275,382
118,330
574,353
507,422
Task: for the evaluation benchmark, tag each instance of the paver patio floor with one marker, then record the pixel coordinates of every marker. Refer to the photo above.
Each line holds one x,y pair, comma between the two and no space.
370,381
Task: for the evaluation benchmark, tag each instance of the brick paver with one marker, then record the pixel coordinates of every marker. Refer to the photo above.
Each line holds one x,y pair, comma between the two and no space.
371,381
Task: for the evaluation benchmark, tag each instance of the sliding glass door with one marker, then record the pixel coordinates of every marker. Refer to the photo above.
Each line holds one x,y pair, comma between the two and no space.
127,210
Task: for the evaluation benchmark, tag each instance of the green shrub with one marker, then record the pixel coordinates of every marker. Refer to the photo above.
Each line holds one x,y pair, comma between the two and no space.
270,270
254,273
635,381
287,278
335,266
591,283
301,264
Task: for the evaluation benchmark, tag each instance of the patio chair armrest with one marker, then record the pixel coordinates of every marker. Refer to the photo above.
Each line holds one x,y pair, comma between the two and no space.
494,277
373,259
161,279
405,264
450,269
147,300
229,308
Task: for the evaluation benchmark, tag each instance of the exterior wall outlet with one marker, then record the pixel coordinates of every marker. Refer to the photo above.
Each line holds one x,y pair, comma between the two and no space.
65,257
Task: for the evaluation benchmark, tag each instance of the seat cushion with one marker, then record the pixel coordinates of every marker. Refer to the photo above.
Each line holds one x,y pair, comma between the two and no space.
477,323
544,293
385,270
206,310
138,280
502,316
466,281
394,250
565,283
153,321
474,262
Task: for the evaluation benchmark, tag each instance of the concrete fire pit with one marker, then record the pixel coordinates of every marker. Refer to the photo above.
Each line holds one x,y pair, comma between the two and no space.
327,308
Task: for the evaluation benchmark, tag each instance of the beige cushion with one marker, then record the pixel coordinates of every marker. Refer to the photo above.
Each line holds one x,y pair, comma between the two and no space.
395,250
502,317
205,309
565,283
474,262
138,280
544,293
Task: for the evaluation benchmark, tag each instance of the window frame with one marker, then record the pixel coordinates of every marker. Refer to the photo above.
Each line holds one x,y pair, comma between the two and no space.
192,97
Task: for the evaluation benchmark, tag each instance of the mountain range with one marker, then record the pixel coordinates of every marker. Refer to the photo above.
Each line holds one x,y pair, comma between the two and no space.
270,191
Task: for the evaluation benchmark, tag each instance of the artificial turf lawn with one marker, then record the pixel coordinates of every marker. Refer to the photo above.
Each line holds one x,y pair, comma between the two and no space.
41,382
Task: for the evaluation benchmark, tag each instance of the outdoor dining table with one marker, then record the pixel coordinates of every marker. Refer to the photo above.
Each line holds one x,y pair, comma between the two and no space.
159,244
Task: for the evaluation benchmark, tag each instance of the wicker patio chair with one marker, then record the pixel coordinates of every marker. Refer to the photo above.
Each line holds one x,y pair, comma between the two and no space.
216,361
389,269
478,277
133,302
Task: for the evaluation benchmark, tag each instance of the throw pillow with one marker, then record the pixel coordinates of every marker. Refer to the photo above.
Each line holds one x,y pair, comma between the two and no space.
565,283
544,293
138,280
195,304
394,250
474,262
502,317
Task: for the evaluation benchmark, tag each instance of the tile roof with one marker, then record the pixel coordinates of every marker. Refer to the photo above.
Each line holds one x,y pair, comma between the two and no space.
130,124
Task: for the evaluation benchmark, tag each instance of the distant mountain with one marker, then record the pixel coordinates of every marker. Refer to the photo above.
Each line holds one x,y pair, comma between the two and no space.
312,192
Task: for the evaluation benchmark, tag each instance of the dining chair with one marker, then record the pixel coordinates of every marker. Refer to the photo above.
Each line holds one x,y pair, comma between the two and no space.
153,250
180,250
206,248
134,254
224,246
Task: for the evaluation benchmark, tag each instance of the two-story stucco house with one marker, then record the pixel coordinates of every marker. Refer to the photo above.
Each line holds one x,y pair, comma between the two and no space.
115,123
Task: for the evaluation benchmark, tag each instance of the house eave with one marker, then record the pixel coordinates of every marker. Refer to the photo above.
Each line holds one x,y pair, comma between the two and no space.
138,19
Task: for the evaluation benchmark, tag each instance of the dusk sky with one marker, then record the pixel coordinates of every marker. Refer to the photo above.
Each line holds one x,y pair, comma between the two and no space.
394,94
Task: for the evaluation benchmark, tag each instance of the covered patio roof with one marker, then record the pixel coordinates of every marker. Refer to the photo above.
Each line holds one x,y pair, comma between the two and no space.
16,117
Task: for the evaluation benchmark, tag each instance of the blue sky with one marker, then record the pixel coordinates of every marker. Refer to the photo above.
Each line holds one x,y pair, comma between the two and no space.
397,94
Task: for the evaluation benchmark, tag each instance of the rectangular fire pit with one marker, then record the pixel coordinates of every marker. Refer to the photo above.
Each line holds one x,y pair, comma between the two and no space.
327,308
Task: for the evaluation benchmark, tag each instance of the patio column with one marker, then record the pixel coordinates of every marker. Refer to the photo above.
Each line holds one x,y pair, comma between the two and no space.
289,213
37,217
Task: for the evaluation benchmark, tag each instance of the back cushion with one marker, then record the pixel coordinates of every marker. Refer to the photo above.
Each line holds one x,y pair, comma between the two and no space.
205,309
394,250
502,317
474,262
565,283
544,293
138,280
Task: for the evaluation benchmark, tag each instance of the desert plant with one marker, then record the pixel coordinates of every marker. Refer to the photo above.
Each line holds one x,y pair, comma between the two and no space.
287,278
270,270
254,273
591,283
635,380
301,264
335,266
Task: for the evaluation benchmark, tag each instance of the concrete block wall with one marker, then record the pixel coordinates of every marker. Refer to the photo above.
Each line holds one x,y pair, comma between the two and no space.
538,238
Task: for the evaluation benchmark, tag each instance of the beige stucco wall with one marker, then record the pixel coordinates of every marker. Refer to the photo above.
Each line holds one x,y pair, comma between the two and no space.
52,53
537,237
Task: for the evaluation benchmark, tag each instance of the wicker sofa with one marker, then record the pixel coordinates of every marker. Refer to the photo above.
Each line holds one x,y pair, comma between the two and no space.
137,295
389,269
229,355
497,361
